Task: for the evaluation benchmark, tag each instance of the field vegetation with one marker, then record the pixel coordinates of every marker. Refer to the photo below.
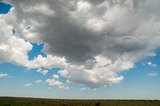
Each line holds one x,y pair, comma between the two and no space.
15,101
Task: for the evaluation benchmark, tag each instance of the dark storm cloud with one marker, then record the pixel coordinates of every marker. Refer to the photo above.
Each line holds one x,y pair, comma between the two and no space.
67,38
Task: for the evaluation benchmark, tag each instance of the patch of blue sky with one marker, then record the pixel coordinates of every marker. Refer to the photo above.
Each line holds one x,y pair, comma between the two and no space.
18,76
36,50
13,31
4,8
137,81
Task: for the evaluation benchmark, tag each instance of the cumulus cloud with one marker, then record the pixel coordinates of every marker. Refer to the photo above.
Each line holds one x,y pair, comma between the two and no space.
3,75
92,40
28,84
55,76
12,48
54,82
38,81
153,74
43,72
63,73
97,76
151,64
15,50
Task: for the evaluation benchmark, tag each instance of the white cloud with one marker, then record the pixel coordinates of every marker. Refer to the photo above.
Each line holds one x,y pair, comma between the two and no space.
151,64
63,87
28,84
49,62
38,81
153,74
91,40
54,82
13,49
68,82
39,70
55,76
3,75
43,72
63,73
103,72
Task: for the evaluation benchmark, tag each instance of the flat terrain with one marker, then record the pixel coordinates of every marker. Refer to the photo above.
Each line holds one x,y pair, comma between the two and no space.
14,101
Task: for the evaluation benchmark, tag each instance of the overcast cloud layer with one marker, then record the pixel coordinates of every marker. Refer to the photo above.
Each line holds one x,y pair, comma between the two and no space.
92,40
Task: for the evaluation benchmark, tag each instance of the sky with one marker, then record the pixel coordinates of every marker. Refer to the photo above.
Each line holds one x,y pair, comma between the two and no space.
80,49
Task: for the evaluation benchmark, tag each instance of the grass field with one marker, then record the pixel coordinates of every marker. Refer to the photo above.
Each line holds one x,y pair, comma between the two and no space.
12,101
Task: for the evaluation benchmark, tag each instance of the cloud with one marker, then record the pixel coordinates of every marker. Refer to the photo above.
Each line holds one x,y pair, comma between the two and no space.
3,75
49,62
28,84
91,40
95,77
38,81
54,82
15,50
43,72
63,73
55,76
153,74
151,64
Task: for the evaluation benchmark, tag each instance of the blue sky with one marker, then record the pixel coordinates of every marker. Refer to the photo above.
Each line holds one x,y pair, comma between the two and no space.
4,8
140,81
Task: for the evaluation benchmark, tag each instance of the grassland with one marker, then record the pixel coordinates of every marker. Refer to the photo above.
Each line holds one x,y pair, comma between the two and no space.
14,101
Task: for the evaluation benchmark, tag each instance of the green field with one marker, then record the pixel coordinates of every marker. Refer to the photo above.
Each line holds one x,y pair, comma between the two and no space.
10,101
